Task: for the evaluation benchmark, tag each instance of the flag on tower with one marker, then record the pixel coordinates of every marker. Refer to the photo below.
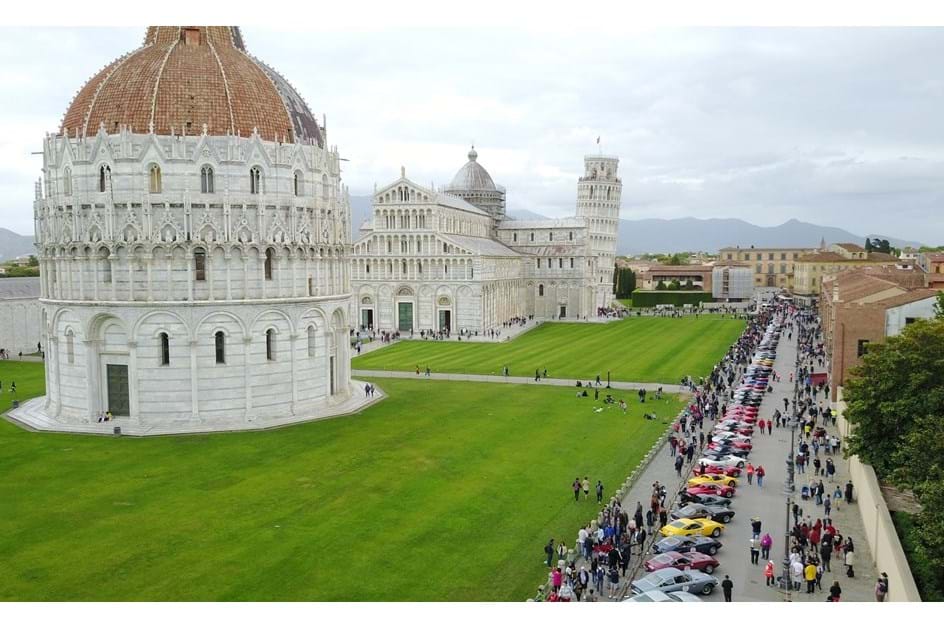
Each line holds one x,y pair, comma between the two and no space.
598,139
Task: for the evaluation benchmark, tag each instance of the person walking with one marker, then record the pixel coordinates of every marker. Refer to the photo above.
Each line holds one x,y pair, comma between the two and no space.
727,586
760,473
549,552
835,592
881,588
576,488
849,561
769,572
756,526
586,488
679,463
809,573
614,582
765,544
755,550
750,473
599,492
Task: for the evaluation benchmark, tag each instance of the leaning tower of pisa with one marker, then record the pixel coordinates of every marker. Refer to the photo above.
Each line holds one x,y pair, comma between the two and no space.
598,203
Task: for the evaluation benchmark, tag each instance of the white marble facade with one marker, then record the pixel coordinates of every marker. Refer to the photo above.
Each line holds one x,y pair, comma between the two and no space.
450,259
192,278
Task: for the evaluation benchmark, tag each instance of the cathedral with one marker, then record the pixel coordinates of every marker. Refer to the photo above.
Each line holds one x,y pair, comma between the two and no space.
450,259
193,237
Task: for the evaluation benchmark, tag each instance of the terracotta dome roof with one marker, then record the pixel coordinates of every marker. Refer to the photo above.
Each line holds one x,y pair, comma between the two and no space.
184,77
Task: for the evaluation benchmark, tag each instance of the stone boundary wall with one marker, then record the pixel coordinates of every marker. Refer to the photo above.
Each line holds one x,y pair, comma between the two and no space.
879,529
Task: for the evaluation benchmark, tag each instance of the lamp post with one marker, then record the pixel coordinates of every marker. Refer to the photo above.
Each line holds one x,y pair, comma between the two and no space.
607,378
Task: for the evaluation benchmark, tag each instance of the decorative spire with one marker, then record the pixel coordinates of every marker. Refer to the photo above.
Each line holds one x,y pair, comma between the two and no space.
472,154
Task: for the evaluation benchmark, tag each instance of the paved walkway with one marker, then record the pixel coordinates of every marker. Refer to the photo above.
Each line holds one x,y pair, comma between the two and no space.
553,382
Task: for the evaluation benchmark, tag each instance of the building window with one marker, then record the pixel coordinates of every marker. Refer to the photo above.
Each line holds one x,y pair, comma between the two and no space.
268,264
297,183
514,236
199,265
570,236
729,256
571,263
104,173
67,182
270,344
910,320
783,256
532,236
255,180
550,236
219,342
539,263
862,348
311,341
154,181
206,180
106,266
540,290
560,263
70,347
324,187
165,348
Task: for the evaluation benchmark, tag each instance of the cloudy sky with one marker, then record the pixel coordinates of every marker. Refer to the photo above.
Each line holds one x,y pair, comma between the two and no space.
835,126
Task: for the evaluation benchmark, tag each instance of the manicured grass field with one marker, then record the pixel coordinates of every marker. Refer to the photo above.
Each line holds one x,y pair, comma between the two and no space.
444,491
636,349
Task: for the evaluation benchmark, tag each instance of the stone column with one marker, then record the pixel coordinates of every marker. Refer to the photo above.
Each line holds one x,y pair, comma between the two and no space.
247,363
227,262
134,408
293,340
194,382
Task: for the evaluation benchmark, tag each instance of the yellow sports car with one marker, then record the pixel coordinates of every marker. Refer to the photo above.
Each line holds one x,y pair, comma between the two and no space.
730,481
687,526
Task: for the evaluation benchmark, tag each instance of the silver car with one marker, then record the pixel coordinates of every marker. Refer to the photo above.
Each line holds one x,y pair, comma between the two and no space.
655,596
675,580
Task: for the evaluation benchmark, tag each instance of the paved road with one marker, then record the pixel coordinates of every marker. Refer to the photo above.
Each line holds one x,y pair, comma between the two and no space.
769,504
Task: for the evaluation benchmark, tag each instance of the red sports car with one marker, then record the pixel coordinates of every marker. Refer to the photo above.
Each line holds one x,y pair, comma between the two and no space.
682,561
740,429
727,470
711,488
738,445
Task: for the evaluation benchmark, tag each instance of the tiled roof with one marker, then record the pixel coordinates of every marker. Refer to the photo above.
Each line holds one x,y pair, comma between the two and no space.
481,246
184,77
850,246
546,224
19,288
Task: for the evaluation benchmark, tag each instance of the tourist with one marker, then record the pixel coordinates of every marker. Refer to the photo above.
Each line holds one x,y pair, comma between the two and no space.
881,588
586,488
849,562
769,573
614,582
756,526
760,473
835,592
599,492
848,494
549,552
766,543
727,586
750,474
809,572
755,550
576,488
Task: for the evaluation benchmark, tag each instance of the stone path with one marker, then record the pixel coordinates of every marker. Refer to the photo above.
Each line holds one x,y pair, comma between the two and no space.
552,382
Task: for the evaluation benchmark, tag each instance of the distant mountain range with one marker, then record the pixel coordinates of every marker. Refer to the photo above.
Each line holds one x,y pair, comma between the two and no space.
13,245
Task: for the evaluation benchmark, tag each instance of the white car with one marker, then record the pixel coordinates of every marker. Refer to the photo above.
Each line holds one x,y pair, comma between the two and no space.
724,436
723,459
655,596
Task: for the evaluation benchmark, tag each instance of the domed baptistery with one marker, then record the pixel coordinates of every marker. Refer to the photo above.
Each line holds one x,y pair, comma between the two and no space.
193,234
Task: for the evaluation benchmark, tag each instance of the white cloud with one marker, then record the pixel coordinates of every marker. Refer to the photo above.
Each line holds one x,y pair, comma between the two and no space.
836,126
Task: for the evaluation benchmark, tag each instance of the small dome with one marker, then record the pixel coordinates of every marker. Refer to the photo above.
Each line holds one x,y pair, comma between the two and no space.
472,176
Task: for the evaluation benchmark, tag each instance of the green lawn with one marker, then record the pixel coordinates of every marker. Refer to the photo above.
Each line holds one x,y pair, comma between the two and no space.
636,349
445,491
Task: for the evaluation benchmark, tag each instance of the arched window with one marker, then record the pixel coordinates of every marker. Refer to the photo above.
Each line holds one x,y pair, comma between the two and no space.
514,236
324,187
165,348
67,182
540,290
550,236
571,235
104,173
255,180
199,265
268,264
206,180
532,236
70,346
219,342
270,344
106,266
298,183
311,341
154,180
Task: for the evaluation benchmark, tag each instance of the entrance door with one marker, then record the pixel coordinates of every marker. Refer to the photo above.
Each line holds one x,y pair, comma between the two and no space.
367,317
117,378
445,320
405,316
563,312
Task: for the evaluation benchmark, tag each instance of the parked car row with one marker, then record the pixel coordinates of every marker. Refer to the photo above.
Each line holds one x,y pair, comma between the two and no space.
684,561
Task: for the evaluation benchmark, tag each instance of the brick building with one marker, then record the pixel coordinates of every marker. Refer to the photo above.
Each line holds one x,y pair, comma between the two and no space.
864,306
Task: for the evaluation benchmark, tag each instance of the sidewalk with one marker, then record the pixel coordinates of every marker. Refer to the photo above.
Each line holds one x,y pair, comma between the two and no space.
553,382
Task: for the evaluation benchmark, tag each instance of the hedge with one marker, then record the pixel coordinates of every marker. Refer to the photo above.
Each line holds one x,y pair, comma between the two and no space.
652,298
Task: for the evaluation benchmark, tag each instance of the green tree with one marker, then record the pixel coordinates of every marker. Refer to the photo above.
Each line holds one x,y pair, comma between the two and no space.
868,245
896,382
939,306
673,285
33,261
689,285
660,285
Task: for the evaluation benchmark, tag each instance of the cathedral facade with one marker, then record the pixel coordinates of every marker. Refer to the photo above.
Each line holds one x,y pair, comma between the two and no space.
452,260
193,237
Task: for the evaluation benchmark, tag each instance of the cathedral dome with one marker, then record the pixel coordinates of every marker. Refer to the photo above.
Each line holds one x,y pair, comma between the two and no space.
472,176
185,77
